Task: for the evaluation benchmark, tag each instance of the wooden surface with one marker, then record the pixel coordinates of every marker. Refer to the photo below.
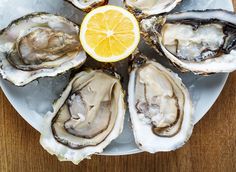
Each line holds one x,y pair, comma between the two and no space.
212,146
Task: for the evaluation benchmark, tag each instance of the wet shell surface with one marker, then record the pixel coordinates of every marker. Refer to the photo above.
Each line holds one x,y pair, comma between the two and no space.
39,45
86,118
160,107
199,41
87,5
142,8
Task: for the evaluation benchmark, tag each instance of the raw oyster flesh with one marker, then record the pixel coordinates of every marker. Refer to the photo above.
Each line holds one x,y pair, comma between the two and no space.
87,5
39,45
86,118
160,107
199,41
142,8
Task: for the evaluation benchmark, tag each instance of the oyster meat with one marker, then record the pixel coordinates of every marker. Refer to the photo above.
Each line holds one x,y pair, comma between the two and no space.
142,8
39,45
87,5
86,118
160,107
199,41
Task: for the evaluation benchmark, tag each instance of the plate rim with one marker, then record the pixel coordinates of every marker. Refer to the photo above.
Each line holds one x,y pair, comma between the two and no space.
38,125
31,120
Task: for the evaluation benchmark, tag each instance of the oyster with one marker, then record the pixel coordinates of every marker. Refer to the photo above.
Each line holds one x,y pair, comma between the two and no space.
160,107
39,45
142,8
199,41
87,5
86,118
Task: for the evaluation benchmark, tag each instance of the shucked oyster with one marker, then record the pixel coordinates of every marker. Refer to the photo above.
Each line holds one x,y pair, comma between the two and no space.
160,107
150,7
39,45
87,5
199,41
86,118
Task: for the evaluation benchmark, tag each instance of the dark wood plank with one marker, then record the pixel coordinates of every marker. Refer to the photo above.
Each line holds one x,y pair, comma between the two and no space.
212,146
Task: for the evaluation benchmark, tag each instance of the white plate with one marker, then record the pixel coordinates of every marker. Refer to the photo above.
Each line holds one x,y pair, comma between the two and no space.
34,100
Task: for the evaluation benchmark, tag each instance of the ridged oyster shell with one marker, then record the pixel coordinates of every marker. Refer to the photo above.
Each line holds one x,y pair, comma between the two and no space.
87,5
160,107
86,118
199,41
39,45
142,8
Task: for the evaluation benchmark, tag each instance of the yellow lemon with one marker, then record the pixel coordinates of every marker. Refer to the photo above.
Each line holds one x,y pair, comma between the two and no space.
109,33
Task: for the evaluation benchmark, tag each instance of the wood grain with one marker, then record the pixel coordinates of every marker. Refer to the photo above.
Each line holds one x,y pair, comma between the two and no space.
212,146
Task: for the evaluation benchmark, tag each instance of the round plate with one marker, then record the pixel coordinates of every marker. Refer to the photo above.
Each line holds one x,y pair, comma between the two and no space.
33,101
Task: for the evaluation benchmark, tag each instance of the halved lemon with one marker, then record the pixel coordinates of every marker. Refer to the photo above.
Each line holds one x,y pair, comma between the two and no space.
109,33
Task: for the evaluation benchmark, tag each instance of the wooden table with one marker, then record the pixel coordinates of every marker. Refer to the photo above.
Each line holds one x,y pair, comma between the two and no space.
212,146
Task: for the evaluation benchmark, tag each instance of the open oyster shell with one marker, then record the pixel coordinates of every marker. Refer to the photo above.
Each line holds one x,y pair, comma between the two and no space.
39,45
86,118
199,41
142,8
87,5
160,107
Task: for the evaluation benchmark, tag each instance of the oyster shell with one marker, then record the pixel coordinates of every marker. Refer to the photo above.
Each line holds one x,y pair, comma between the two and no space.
87,5
86,118
160,107
199,41
39,45
141,8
